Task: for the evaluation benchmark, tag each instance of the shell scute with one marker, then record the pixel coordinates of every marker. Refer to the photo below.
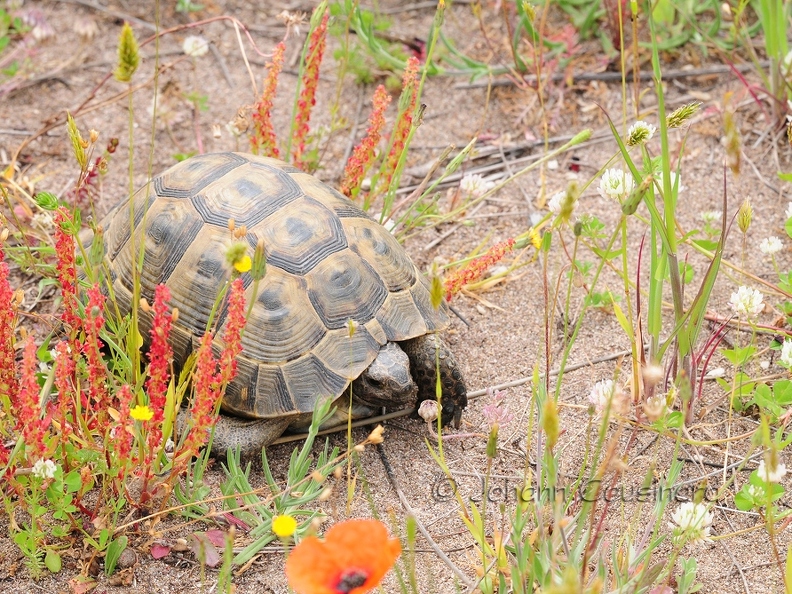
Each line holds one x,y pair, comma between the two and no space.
344,287
248,194
301,235
191,176
308,381
285,323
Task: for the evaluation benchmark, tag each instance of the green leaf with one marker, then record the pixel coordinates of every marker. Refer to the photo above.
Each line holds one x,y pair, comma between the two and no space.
73,481
782,392
675,420
743,501
739,356
53,561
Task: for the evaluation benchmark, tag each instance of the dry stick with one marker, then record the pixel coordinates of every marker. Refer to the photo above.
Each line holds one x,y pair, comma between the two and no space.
408,508
495,215
596,138
63,70
617,76
419,189
221,62
418,6
761,177
471,395
507,165
114,13
734,561
453,229
245,58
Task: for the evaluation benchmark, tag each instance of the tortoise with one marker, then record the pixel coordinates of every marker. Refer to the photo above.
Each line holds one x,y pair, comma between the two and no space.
327,262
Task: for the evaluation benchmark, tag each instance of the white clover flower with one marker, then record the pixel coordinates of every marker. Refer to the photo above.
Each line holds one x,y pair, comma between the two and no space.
655,407
555,202
771,475
195,46
786,354
640,132
474,185
601,394
692,521
711,216
771,245
789,211
44,469
615,183
746,302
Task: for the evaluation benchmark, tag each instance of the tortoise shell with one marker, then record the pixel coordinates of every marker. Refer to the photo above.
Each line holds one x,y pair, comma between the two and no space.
328,262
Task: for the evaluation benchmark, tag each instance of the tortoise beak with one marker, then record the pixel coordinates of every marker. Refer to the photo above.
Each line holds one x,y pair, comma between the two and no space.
457,420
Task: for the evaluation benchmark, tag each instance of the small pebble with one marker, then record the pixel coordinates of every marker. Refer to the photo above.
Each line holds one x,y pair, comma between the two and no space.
127,558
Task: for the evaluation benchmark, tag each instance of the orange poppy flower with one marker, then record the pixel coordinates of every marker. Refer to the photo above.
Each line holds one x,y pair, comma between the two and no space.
353,558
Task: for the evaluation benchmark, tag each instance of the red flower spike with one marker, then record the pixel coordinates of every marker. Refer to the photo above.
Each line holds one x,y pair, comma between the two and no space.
124,427
310,82
8,382
160,357
353,558
401,129
263,141
232,334
5,454
473,270
67,269
97,373
207,391
64,384
363,155
30,422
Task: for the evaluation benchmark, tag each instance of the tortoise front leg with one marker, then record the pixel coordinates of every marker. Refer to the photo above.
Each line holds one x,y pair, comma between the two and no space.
427,353
249,435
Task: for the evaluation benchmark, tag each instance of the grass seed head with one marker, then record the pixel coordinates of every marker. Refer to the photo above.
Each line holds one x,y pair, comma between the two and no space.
682,114
128,55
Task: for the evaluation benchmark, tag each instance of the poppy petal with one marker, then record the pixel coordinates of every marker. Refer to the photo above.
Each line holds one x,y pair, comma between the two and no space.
353,558
364,545
309,567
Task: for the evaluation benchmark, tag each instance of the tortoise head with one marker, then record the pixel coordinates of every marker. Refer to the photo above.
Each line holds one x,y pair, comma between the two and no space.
387,381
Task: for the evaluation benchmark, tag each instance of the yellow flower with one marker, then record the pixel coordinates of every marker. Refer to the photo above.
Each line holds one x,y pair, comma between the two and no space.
243,264
141,413
284,526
